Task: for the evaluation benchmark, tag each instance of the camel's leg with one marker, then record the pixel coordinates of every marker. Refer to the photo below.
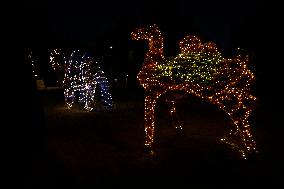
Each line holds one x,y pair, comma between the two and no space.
175,120
89,98
150,103
106,96
242,127
82,95
69,97
247,133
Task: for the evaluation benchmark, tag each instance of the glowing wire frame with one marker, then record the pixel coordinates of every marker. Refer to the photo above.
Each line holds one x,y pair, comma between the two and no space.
200,70
82,74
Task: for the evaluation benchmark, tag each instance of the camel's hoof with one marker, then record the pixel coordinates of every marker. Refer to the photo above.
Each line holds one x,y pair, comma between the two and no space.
180,133
252,155
148,150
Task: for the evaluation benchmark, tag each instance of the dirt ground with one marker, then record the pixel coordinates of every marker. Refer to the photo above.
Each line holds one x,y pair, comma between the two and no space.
106,147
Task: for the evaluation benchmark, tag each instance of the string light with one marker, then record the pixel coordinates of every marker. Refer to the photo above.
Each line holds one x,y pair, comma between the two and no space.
34,62
201,70
82,74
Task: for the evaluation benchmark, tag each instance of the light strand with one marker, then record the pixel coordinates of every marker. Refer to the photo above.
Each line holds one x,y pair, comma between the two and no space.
200,70
82,74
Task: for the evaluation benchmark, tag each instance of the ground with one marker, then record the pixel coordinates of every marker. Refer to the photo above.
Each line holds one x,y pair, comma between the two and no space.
106,147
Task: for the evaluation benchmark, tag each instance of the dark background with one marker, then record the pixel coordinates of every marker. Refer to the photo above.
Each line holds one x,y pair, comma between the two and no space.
252,25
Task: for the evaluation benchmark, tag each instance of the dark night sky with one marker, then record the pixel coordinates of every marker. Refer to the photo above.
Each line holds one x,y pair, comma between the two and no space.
227,23
87,22
251,24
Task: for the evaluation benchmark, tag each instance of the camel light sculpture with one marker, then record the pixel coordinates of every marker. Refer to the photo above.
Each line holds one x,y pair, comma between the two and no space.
82,74
201,70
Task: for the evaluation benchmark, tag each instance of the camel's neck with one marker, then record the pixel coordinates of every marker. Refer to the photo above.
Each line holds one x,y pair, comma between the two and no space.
156,51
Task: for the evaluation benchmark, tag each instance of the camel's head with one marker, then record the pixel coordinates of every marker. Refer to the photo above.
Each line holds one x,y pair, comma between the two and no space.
57,59
149,33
